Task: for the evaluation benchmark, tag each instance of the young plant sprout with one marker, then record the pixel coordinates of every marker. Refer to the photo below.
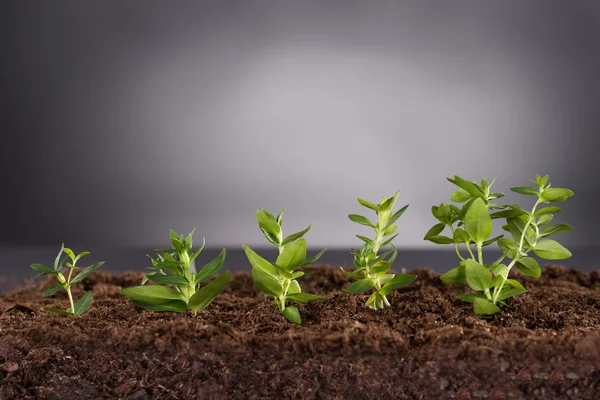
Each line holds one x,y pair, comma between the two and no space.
279,279
372,268
85,301
178,285
471,225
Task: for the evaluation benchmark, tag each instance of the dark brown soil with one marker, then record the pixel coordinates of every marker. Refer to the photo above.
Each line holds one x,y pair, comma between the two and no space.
428,345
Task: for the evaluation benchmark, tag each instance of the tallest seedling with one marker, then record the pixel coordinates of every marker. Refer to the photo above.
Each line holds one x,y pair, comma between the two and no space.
372,268
471,226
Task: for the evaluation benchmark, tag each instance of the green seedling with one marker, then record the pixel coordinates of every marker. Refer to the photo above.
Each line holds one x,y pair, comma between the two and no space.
85,301
279,279
373,269
471,226
177,284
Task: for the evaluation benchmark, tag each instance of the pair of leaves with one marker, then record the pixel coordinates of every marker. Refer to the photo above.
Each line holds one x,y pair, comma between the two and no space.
163,298
80,306
279,279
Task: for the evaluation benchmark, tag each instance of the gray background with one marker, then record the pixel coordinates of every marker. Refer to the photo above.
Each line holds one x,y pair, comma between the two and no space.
124,119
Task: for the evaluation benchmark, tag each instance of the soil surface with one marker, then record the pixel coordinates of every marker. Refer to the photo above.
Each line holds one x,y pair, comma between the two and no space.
427,345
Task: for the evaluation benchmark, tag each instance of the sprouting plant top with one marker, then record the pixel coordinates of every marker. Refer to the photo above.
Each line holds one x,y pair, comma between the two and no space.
373,269
85,301
178,286
279,278
471,225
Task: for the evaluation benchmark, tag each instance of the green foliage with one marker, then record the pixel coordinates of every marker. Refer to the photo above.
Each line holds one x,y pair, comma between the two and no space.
372,269
471,225
178,286
279,279
66,282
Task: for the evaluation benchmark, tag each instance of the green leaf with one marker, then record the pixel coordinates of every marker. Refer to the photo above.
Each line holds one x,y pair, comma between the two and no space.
397,282
526,190
478,223
390,229
484,307
556,195
546,211
311,260
52,289
395,216
303,297
57,263
529,266
509,247
478,276
153,294
43,269
260,263
368,204
514,212
205,295
460,236
389,203
388,241
83,303
515,284
434,231
551,250
500,270
455,275
176,280
60,311
360,286
268,225
173,305
83,274
441,239
545,219
507,293
359,219
295,236
460,196
469,187
551,230
293,255
365,239
266,283
492,240
211,268
292,314
69,253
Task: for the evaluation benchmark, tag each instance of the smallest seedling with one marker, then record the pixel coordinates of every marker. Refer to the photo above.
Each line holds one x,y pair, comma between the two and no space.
85,301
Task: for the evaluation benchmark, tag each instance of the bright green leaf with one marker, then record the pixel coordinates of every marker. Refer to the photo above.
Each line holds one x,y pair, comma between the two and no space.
478,276
549,249
478,223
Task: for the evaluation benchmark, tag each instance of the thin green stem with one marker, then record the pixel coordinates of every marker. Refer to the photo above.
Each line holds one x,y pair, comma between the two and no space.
456,244
68,287
470,252
480,253
520,250
71,299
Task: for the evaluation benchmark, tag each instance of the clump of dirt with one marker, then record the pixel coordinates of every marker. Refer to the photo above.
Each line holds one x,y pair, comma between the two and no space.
427,345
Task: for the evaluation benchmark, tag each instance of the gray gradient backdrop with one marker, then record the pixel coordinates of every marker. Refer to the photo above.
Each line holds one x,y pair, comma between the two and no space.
124,119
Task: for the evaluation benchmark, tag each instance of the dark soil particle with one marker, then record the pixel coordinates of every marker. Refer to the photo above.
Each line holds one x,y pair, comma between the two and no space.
427,345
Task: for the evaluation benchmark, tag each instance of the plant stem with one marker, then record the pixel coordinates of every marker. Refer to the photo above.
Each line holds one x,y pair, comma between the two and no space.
480,253
68,287
470,252
71,299
520,250
456,244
